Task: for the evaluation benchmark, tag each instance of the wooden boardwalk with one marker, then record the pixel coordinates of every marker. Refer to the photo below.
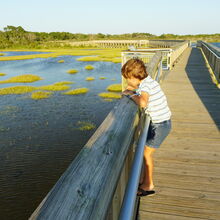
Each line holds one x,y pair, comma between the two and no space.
187,166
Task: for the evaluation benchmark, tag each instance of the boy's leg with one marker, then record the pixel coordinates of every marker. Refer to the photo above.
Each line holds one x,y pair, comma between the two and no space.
147,176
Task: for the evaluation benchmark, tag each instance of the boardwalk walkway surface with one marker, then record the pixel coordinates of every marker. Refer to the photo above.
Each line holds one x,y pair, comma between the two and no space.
187,166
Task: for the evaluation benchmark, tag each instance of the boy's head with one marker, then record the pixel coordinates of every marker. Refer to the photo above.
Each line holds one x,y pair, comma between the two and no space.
134,68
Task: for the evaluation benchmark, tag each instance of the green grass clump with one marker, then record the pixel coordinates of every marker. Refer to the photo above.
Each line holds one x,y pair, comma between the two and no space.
90,78
102,77
60,61
63,83
28,78
40,95
17,90
84,125
2,74
89,59
114,88
72,71
110,95
76,91
89,67
54,87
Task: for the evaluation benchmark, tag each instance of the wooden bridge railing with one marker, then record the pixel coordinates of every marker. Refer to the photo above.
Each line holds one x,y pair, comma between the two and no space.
93,186
212,54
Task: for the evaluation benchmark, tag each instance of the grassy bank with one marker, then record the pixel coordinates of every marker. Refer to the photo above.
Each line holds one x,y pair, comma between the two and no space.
107,55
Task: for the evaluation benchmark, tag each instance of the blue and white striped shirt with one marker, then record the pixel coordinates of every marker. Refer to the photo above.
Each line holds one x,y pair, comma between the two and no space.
157,106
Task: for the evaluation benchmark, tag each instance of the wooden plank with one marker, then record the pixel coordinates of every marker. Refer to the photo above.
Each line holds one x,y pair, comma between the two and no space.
163,216
180,211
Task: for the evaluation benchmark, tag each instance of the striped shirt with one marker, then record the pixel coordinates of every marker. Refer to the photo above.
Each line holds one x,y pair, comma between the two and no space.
157,106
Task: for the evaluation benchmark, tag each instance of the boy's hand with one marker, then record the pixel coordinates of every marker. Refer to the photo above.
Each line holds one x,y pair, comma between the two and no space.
127,92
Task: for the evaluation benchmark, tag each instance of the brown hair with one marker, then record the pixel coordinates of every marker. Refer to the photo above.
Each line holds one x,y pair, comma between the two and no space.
134,68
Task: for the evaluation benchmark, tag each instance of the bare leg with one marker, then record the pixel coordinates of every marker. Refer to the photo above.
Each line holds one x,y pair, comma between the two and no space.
147,180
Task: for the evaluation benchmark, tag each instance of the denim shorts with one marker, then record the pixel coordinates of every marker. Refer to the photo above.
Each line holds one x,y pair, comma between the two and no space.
157,133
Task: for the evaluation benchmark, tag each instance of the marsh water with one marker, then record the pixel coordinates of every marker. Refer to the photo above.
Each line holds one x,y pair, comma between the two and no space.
40,138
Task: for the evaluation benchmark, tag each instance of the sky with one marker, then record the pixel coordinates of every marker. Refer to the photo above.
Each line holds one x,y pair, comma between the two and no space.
113,17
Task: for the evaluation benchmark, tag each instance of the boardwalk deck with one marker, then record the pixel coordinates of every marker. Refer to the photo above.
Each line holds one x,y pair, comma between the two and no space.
187,166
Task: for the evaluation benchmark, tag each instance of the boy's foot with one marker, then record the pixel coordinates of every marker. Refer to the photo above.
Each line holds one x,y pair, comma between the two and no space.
142,192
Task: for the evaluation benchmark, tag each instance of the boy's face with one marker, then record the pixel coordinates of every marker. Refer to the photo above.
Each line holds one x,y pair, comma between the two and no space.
134,82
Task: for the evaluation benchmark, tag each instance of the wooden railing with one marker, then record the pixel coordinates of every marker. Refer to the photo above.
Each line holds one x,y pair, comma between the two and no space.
93,186
212,55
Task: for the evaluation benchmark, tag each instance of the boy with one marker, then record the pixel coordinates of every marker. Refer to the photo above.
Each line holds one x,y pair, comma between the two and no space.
146,93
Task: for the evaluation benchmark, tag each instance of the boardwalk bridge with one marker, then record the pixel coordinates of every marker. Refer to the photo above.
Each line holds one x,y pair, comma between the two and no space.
101,183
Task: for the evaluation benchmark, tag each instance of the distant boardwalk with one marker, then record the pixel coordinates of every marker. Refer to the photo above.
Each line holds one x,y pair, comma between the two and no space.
187,166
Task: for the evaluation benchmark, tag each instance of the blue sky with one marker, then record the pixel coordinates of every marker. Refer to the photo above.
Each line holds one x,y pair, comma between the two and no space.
113,17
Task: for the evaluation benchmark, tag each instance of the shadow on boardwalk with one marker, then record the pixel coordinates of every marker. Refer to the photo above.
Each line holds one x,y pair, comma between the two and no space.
201,80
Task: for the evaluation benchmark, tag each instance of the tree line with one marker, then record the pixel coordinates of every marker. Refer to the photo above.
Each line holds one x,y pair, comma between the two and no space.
17,37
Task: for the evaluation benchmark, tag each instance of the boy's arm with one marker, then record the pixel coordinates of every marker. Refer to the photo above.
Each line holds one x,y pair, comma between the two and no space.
141,100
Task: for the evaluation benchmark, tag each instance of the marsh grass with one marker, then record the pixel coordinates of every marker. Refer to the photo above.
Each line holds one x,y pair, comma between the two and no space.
63,83
27,78
2,54
76,91
102,77
107,55
85,125
72,71
2,74
9,109
89,67
54,87
110,95
89,59
17,90
40,95
60,61
60,86
2,129
108,100
90,78
114,88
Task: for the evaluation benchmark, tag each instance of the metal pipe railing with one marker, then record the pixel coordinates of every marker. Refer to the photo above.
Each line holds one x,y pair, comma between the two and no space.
128,204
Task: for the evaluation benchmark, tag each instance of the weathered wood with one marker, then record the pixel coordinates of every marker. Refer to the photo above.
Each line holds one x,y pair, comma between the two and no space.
85,190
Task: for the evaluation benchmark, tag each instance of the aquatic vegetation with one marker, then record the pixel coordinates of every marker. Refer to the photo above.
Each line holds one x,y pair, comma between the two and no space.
54,87
115,88
17,90
9,109
110,95
90,78
40,95
76,91
89,67
72,71
2,74
108,100
60,61
2,129
27,78
89,59
2,54
107,54
85,125
63,83
102,77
